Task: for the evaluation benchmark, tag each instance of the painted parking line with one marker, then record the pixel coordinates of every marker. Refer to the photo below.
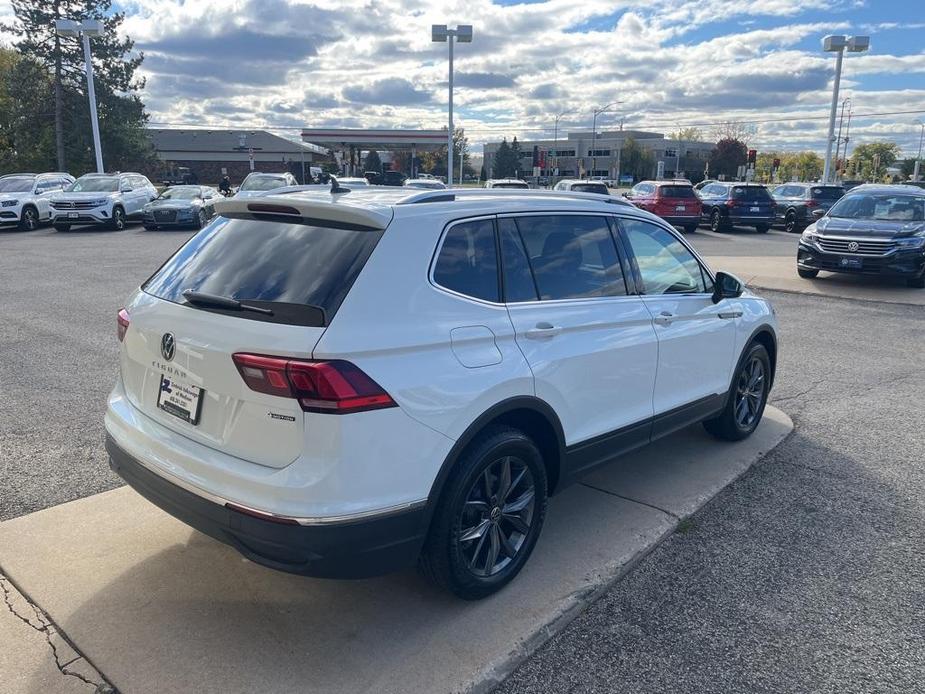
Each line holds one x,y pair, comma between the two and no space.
157,606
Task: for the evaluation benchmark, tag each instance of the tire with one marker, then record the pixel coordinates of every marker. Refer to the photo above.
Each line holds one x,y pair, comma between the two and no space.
473,503
29,220
762,228
117,223
716,222
62,227
747,398
807,274
202,219
791,225
690,229
916,282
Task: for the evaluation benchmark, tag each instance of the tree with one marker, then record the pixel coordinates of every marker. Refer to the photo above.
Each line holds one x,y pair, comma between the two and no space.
871,159
25,94
505,162
726,158
434,162
686,135
121,113
516,156
734,130
636,160
373,162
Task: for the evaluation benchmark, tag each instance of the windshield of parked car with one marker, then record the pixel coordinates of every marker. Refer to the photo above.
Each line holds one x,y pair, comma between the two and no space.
882,206
828,193
750,193
95,184
590,188
263,183
15,185
180,194
676,192
509,185
425,184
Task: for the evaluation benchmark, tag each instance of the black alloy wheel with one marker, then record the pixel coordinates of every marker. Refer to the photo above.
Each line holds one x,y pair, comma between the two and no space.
716,222
747,396
29,220
750,389
790,223
118,219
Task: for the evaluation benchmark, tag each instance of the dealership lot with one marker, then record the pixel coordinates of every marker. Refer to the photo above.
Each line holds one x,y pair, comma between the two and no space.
830,511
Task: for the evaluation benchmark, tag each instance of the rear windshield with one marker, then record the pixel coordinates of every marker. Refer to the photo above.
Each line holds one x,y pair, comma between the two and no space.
676,192
509,185
263,183
297,270
829,193
590,188
750,193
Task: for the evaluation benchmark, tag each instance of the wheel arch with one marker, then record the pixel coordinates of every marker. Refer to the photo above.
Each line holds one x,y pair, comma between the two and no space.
764,335
529,414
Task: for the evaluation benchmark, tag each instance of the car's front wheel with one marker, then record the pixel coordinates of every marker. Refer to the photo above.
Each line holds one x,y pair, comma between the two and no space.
747,398
489,516
917,282
807,274
29,220
118,219
62,227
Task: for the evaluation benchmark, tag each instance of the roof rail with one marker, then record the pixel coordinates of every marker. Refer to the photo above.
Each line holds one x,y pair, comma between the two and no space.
454,193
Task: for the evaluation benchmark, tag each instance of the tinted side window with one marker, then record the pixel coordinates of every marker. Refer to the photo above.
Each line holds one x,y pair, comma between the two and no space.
518,280
572,256
665,264
468,261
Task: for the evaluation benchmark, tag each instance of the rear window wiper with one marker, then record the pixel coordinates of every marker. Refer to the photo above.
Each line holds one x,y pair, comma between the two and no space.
218,301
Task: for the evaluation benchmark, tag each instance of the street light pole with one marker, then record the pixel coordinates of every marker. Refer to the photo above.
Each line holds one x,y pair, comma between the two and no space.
596,113
918,159
838,139
85,30
441,34
838,45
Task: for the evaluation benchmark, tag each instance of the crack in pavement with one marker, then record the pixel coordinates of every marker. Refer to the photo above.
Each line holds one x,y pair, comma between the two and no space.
635,501
45,626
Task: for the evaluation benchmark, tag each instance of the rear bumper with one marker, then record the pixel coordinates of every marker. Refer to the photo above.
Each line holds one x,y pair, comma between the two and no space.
683,220
909,263
746,220
348,549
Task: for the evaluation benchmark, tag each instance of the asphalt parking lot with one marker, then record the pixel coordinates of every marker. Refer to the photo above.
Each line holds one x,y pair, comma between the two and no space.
806,574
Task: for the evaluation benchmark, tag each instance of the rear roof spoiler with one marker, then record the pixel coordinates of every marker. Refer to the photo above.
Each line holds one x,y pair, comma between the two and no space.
318,208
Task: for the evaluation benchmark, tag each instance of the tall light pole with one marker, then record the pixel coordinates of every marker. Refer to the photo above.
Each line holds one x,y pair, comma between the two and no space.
86,30
597,112
441,34
838,45
555,140
918,159
838,139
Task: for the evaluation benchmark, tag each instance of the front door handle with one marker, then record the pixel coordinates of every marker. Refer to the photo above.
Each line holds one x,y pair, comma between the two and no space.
543,330
664,318
729,314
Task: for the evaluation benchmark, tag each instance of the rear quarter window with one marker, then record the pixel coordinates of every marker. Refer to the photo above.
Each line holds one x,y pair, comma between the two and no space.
283,265
468,260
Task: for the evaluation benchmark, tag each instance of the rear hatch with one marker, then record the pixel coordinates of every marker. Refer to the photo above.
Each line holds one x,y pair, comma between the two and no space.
177,359
752,201
677,201
823,197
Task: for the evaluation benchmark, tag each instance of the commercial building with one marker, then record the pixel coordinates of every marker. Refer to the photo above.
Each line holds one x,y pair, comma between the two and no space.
579,154
211,154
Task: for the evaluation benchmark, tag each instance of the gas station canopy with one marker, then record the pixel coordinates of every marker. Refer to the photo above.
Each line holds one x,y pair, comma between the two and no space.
381,139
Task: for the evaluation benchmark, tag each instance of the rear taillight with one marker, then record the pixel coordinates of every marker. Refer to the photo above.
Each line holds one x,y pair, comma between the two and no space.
335,386
122,321
731,203
812,203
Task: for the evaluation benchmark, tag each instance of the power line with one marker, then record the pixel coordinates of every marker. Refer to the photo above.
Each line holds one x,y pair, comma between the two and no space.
501,128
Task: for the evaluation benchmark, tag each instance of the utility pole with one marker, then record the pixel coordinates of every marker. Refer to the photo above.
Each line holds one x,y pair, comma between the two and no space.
596,113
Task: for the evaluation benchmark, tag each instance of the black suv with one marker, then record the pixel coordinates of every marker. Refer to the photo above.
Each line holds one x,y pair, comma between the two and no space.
797,203
729,204
872,230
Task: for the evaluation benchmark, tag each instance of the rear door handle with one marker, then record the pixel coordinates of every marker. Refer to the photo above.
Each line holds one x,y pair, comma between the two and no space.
543,330
664,318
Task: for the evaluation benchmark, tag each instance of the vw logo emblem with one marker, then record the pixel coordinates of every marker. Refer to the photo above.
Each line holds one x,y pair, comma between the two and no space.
168,346
853,246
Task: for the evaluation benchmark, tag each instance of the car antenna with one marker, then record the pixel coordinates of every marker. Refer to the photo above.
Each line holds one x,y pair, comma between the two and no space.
336,187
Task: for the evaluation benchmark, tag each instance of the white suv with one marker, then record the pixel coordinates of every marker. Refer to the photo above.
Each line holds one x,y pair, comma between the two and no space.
341,385
24,198
102,199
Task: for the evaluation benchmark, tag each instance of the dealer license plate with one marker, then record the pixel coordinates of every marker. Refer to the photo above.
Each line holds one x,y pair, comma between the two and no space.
679,208
852,263
754,209
180,399
73,215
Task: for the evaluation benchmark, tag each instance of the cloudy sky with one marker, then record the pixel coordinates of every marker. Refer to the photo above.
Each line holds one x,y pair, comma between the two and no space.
293,63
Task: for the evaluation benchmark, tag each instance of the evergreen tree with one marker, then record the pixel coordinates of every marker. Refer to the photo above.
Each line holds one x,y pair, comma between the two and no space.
121,113
503,165
373,162
726,158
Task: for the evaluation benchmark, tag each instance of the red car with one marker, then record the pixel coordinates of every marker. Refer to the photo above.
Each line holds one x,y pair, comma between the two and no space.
673,201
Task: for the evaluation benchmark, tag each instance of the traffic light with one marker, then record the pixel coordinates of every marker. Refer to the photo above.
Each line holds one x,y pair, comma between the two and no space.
752,156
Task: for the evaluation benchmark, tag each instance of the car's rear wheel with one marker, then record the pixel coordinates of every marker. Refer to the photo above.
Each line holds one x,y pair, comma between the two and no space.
29,220
118,219
690,228
807,274
62,227
489,515
716,222
747,398
762,228
790,223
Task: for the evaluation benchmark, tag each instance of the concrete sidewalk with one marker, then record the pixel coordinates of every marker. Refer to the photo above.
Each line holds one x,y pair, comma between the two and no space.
157,606
775,272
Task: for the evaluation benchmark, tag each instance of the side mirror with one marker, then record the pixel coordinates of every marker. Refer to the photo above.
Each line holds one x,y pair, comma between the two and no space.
818,213
726,286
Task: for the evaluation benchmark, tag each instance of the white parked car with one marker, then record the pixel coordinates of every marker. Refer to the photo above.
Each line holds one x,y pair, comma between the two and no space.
102,199
506,183
578,185
430,183
341,385
25,198
352,182
258,183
